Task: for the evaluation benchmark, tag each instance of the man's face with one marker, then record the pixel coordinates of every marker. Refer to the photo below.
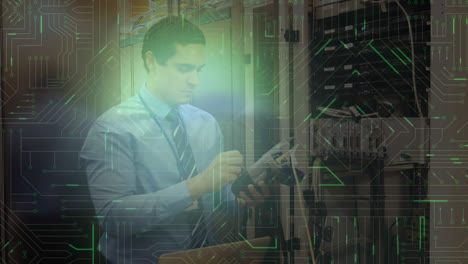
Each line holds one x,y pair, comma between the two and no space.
175,81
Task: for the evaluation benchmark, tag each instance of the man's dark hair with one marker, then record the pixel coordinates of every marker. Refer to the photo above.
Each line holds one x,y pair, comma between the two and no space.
162,37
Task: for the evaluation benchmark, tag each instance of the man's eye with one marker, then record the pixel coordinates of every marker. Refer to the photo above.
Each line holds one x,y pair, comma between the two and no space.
184,69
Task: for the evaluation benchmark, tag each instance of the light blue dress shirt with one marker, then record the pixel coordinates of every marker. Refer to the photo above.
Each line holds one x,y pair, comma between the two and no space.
134,182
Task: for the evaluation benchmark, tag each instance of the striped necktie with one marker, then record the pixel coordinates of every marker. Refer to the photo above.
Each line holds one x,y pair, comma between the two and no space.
184,151
188,170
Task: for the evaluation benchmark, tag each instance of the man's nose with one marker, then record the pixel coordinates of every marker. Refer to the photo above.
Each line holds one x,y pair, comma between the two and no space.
194,78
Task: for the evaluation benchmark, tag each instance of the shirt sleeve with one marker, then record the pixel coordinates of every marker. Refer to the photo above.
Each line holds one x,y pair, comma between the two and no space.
112,182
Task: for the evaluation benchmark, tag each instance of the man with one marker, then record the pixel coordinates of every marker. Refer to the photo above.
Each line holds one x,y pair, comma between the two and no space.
155,166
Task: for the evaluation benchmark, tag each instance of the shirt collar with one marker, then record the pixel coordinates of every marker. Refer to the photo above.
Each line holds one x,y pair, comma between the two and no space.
156,105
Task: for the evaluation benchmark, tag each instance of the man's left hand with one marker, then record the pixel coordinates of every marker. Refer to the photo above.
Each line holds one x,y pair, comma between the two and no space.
255,198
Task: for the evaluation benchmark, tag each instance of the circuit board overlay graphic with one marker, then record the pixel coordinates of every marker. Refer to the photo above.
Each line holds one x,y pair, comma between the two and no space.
372,94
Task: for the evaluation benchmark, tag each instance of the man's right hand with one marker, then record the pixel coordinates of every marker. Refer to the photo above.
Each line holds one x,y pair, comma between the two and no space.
224,169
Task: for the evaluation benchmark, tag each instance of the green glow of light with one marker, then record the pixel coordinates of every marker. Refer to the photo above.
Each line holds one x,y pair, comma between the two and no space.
88,249
397,244
11,34
248,242
383,58
404,55
213,176
346,46
220,170
41,24
396,55
328,142
424,226
268,36
305,119
103,49
359,108
70,99
409,122
6,244
72,185
332,173
270,90
453,25
325,109
320,50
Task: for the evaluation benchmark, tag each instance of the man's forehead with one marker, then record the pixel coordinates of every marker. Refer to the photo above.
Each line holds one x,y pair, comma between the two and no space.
190,49
193,54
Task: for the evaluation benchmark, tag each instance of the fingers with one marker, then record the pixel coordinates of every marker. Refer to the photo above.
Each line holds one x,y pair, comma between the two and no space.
241,202
225,168
258,198
235,169
233,157
247,199
255,198
232,177
264,188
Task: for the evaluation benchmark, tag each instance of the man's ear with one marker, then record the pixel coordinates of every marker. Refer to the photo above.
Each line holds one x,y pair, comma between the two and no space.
150,61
